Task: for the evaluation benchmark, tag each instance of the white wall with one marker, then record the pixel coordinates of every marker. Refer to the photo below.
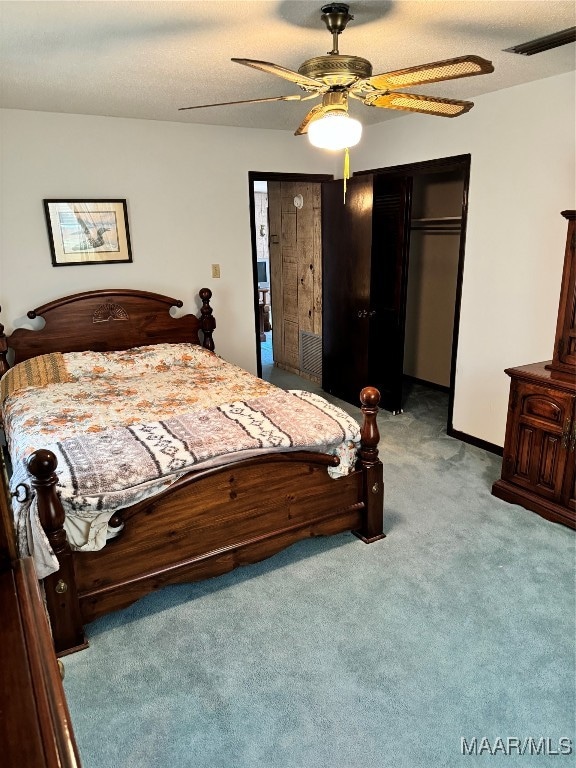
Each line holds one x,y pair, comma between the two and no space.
522,143
187,192
188,207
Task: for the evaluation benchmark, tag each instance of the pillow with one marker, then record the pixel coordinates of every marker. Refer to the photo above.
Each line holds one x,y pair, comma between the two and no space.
135,361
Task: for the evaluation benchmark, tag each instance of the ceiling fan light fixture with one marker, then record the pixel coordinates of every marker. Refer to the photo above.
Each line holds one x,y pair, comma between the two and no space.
335,130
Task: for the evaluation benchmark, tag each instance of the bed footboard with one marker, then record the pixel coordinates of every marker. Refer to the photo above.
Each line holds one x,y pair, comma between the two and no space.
207,523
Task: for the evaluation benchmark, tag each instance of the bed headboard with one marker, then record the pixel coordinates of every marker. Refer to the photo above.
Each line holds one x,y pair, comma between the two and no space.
107,320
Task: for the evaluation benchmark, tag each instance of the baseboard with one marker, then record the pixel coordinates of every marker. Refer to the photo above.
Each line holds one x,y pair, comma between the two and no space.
471,440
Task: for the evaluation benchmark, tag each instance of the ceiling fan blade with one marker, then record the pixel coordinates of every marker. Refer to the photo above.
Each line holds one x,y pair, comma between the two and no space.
450,69
246,101
312,115
303,81
429,105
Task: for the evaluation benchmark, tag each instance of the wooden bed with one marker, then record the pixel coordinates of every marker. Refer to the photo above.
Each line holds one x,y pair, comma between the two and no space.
218,518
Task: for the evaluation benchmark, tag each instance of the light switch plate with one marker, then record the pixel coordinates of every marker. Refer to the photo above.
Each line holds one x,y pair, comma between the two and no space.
215,270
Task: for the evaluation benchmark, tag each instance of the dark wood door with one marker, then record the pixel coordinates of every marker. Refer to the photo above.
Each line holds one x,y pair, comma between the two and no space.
346,270
389,281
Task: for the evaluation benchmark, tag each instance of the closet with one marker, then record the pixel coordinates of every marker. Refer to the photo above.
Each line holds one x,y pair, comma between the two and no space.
392,264
435,229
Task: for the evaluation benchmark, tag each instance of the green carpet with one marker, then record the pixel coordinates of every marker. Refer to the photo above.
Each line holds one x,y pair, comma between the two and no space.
336,654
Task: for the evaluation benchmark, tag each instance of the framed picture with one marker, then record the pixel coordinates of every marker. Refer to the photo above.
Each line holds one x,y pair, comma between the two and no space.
88,231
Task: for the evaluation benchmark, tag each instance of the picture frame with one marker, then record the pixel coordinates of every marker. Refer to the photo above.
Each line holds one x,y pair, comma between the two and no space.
88,232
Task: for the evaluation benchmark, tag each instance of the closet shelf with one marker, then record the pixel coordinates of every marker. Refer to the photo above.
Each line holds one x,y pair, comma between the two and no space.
438,224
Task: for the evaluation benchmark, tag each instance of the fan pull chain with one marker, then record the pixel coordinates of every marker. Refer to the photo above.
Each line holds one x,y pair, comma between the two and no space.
346,170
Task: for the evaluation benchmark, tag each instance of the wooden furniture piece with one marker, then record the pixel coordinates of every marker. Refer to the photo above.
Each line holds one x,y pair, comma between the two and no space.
539,462
564,360
211,520
35,725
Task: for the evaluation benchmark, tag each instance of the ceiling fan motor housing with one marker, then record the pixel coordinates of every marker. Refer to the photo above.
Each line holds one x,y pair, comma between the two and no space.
336,16
336,69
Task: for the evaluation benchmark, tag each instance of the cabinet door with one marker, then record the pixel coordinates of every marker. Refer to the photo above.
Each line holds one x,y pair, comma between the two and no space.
569,492
536,449
346,270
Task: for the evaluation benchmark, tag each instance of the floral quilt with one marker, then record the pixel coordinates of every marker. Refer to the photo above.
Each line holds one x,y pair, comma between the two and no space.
125,425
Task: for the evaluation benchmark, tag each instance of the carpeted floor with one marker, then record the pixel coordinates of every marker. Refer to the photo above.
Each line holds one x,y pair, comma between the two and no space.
334,654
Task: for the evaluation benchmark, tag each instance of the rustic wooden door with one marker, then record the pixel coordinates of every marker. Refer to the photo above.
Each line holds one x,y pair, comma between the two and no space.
295,268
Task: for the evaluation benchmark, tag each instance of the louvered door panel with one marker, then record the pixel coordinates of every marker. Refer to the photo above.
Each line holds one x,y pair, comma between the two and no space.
388,286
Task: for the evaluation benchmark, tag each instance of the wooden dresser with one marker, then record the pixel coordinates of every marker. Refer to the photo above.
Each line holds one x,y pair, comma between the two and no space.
35,725
539,462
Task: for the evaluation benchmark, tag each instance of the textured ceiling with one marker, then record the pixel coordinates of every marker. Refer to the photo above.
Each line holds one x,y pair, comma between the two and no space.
145,59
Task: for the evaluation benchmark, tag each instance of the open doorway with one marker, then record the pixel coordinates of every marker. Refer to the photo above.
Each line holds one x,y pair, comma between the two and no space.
286,267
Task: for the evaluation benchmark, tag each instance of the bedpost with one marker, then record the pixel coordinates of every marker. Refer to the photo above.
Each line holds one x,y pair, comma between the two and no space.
207,322
60,587
3,351
371,466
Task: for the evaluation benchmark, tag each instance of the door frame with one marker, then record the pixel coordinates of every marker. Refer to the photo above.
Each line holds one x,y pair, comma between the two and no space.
268,176
439,165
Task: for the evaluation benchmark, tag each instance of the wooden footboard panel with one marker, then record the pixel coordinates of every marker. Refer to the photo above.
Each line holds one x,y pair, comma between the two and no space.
214,522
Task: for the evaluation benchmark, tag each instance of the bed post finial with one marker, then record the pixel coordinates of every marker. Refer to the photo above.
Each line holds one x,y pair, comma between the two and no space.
61,594
3,351
207,322
371,466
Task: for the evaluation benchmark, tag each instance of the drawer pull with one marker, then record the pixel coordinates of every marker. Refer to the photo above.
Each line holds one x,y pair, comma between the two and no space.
573,440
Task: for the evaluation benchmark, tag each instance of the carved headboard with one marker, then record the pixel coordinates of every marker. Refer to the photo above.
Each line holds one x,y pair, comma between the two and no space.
108,320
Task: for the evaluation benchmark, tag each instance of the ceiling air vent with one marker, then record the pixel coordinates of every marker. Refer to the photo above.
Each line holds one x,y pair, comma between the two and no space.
544,43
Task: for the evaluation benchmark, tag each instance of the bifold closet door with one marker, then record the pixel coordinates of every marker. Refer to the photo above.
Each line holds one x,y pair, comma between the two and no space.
389,283
365,242
346,270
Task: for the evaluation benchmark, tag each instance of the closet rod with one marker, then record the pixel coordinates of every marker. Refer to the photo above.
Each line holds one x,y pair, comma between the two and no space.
447,224
436,231
440,219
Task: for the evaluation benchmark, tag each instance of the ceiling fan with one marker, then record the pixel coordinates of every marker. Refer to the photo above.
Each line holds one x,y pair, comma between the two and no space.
337,77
